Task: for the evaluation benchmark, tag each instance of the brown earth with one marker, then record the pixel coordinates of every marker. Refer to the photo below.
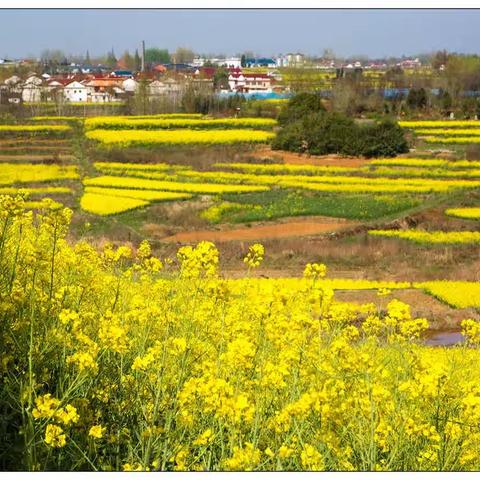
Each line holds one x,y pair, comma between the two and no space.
35,158
34,141
289,228
440,315
304,159
52,148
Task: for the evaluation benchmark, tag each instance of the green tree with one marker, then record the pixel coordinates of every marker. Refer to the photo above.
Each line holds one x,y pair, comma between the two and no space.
184,55
417,98
299,106
220,79
243,61
111,59
137,61
157,55
128,60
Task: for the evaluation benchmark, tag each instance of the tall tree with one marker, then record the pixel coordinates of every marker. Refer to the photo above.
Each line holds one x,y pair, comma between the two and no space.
220,79
111,59
128,60
87,58
184,55
157,55
137,60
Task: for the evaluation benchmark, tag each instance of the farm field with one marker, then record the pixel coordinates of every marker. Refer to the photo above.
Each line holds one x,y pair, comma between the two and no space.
185,192
206,303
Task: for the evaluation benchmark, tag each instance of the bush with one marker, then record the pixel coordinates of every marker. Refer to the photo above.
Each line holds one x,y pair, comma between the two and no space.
299,107
319,132
384,139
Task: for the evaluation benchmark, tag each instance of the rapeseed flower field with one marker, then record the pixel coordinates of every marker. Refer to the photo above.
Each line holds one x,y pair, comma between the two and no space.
127,123
431,238
114,359
131,138
468,213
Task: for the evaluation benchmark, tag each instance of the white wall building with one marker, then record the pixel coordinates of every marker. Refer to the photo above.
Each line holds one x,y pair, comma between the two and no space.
32,89
250,82
130,85
76,92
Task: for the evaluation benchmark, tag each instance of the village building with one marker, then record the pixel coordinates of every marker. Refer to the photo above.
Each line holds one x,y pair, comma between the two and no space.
76,92
249,82
32,89
130,85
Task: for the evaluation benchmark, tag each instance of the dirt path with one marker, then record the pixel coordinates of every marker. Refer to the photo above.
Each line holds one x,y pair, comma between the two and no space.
303,159
290,228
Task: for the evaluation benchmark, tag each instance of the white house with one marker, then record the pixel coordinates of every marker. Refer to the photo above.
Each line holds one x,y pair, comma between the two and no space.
13,80
76,92
230,62
198,62
130,85
157,88
250,82
32,89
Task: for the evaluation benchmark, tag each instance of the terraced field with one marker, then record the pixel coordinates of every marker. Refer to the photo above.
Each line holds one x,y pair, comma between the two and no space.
172,353
245,194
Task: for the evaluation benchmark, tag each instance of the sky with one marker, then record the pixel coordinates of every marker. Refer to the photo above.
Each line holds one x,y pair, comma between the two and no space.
374,33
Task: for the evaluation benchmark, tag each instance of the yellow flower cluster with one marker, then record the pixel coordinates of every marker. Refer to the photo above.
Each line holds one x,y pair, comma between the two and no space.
215,212
104,204
140,194
117,167
445,132
123,361
45,203
255,255
426,163
430,238
438,139
109,201
58,118
411,162
381,169
471,331
11,173
455,293
34,191
333,182
439,123
34,128
146,138
54,436
281,168
145,184
470,213
176,123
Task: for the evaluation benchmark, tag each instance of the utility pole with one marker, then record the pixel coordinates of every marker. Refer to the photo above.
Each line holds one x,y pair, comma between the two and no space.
143,55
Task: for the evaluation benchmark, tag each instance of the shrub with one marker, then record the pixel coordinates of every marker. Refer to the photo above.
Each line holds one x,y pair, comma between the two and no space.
326,133
300,106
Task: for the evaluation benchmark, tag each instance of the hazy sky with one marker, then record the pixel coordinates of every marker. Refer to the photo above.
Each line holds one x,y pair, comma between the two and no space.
375,33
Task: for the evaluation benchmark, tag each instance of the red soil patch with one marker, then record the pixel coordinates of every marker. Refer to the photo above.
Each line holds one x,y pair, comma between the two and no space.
294,228
304,159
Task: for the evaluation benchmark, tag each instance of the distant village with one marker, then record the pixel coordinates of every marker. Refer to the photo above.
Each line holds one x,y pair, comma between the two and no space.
84,82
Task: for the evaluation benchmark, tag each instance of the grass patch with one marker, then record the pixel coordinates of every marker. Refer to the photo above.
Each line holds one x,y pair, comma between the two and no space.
287,203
